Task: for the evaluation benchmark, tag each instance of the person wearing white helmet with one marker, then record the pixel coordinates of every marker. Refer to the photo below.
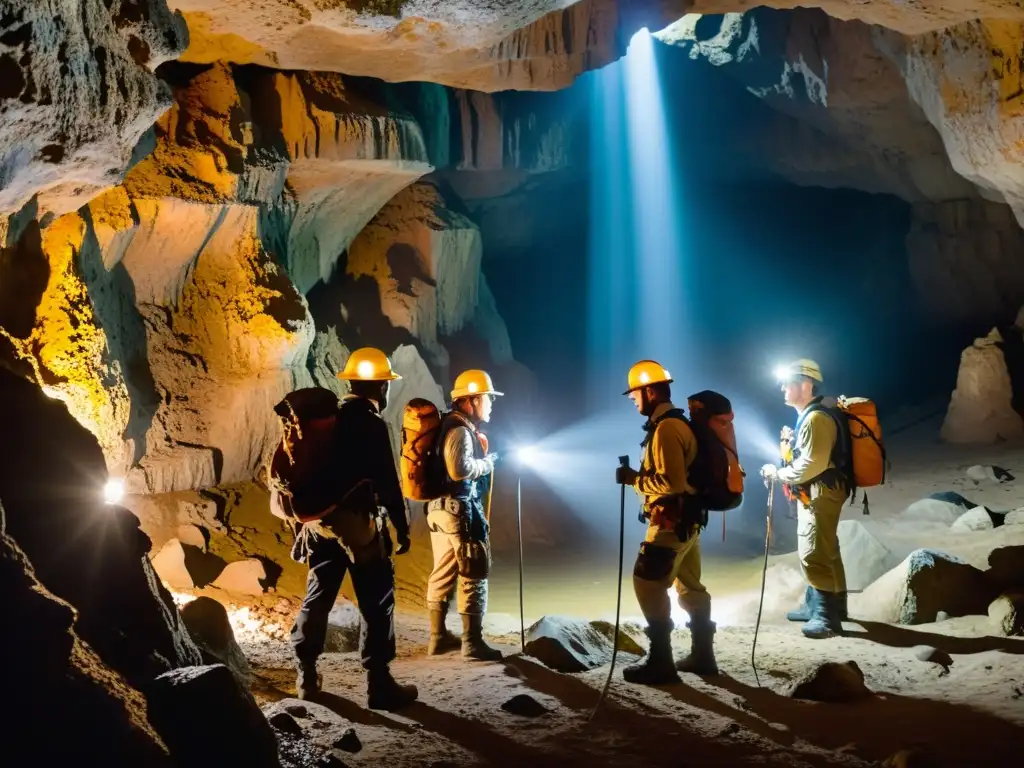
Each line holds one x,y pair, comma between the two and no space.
458,527
815,478
354,540
670,552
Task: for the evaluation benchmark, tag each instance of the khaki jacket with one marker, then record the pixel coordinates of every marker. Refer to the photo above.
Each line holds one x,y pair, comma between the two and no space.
666,463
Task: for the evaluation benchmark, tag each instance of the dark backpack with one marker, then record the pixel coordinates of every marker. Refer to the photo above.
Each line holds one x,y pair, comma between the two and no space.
302,476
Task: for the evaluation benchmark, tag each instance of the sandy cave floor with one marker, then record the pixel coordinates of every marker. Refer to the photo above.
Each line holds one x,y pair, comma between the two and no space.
969,714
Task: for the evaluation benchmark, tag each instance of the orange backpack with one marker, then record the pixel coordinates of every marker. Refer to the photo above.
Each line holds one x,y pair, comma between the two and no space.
867,451
421,426
717,473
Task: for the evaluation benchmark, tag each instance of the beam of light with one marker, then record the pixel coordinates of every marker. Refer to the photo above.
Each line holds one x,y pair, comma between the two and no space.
529,455
113,491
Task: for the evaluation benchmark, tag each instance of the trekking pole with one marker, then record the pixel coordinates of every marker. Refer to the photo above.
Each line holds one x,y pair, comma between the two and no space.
623,462
519,530
764,576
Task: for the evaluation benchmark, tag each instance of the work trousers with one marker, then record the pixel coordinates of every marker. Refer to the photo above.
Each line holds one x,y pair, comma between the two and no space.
664,561
373,577
817,527
447,529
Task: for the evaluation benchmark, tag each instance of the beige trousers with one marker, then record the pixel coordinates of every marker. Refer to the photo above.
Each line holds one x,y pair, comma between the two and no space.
817,529
471,597
665,561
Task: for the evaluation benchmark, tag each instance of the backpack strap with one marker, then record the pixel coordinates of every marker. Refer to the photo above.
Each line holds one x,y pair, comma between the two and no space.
841,454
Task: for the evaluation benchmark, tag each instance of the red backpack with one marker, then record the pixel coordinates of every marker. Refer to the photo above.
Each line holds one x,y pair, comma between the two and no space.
303,471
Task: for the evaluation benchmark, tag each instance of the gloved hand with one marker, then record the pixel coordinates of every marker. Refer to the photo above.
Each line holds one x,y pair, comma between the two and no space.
403,543
625,475
787,434
495,458
768,473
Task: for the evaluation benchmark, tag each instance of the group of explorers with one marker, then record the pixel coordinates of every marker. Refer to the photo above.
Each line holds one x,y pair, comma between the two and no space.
334,472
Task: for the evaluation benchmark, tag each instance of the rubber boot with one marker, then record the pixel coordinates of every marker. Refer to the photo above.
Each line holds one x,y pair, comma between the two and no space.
384,692
701,660
473,645
824,621
441,640
841,604
658,668
803,613
308,682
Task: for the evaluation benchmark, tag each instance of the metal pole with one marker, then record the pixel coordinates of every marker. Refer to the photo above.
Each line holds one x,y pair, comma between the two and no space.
519,530
624,462
764,576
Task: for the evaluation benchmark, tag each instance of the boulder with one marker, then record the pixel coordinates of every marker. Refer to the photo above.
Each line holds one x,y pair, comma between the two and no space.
209,720
208,623
1006,568
321,727
1006,615
925,583
80,711
933,511
832,682
574,645
243,577
932,655
524,705
980,409
184,566
192,535
92,555
343,626
977,519
865,558
1014,517
986,473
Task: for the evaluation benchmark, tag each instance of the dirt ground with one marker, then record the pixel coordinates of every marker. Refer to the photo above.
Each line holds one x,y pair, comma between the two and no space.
967,713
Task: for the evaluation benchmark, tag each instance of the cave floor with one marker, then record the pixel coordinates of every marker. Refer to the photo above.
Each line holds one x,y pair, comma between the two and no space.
969,714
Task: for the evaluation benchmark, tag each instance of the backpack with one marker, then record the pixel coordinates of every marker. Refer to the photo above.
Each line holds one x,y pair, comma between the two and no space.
859,454
302,472
716,472
421,426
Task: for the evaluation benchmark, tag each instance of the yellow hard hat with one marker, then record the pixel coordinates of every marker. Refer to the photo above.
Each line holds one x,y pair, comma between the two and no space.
472,383
801,367
645,373
368,364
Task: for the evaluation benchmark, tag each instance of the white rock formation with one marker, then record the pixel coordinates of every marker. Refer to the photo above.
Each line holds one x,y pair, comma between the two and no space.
980,410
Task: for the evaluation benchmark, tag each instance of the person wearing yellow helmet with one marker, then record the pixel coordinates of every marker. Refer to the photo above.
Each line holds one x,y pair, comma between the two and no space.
354,539
670,552
457,522
815,478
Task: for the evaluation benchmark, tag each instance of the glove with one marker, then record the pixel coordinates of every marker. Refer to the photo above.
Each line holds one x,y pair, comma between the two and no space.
494,458
625,475
403,544
768,473
786,435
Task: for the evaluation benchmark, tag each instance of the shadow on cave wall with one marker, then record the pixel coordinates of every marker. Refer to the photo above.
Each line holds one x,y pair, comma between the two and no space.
112,293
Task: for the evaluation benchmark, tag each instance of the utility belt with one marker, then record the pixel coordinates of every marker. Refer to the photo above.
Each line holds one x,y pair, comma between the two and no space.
830,478
463,519
679,512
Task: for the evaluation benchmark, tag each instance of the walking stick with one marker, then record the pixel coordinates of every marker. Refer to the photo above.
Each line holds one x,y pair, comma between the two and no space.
764,576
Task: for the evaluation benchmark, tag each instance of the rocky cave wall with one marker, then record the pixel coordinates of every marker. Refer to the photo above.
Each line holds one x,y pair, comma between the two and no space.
208,209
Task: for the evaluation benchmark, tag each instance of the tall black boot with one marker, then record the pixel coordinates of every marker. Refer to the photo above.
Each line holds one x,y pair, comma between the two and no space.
308,681
701,660
384,692
841,606
658,668
441,640
473,645
803,613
